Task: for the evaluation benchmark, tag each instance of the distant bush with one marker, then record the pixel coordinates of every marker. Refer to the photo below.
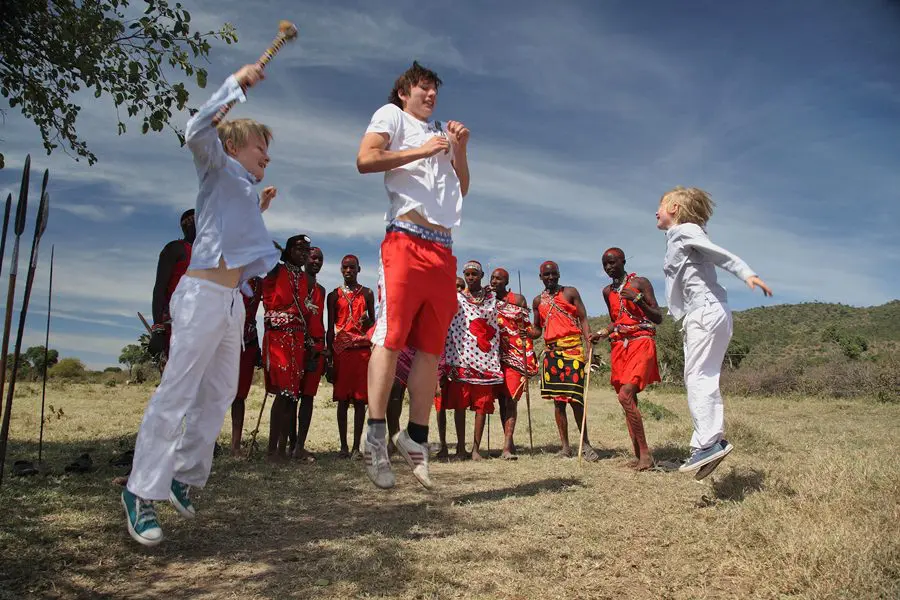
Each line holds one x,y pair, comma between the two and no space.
837,378
68,369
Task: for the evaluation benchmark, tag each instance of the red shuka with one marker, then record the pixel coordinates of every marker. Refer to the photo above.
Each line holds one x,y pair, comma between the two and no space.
351,346
283,291
632,347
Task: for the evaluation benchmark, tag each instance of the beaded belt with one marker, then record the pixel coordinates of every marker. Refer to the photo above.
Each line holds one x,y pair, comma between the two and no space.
430,235
283,321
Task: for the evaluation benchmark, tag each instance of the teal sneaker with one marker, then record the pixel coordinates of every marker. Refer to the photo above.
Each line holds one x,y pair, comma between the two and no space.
180,497
141,517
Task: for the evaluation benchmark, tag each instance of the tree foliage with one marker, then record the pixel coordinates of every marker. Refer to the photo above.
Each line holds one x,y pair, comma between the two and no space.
54,51
31,363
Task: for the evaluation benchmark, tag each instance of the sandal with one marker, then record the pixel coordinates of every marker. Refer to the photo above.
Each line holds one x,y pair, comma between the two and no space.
123,460
82,464
24,468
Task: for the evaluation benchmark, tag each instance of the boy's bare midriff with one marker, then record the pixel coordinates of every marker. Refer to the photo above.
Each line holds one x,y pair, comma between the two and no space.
221,275
416,217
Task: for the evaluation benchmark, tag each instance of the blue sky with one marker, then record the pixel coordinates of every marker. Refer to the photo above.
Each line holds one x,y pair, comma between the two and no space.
582,115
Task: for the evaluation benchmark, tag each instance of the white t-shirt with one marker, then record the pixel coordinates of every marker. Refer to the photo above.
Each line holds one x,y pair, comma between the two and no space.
428,185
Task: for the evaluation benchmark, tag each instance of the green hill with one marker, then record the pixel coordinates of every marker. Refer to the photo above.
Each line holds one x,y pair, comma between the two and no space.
814,348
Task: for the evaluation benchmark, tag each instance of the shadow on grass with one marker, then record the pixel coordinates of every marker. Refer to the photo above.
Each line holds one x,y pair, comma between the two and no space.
533,488
269,531
738,484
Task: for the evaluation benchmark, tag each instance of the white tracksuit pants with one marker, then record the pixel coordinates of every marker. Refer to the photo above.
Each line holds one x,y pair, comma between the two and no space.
707,332
185,414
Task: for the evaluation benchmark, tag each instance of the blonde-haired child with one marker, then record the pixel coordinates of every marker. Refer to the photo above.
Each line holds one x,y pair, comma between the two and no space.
693,294
174,447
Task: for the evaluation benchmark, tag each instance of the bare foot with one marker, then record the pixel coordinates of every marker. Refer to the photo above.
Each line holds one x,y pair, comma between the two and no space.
303,455
444,452
564,453
644,464
344,453
236,453
476,455
461,455
355,454
507,455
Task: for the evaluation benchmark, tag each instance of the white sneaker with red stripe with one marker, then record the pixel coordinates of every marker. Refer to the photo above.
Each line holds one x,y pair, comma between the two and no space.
416,456
377,461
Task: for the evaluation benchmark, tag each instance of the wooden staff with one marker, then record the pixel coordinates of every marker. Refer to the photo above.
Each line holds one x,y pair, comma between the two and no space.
287,32
525,381
587,384
256,431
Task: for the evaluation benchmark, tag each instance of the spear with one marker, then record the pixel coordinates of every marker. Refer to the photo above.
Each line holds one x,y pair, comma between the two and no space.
39,227
14,269
5,228
46,352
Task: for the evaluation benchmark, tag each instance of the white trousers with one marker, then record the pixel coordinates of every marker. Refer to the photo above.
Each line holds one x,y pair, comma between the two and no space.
185,414
707,332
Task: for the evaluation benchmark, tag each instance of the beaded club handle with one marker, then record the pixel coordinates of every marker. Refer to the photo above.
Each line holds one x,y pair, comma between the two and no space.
287,32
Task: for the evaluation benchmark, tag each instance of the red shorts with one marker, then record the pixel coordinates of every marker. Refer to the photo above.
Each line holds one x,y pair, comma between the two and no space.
247,367
351,375
635,363
458,395
512,386
283,357
416,293
309,385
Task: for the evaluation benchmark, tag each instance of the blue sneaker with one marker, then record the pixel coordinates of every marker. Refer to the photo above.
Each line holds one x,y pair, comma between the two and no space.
180,497
707,469
141,517
704,456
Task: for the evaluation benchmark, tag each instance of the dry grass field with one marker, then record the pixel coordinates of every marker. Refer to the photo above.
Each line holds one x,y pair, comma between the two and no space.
808,506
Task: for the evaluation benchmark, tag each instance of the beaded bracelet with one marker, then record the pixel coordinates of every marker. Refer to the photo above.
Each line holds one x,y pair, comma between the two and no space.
638,298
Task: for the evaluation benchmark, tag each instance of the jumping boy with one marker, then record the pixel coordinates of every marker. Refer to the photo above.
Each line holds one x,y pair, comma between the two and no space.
426,175
693,294
232,246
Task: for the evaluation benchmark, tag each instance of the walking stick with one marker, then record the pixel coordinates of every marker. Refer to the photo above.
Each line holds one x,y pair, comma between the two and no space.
587,383
39,227
489,436
46,352
256,431
287,32
14,271
527,387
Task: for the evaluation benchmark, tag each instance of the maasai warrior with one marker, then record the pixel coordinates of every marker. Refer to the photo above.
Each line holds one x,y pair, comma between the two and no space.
174,446
459,416
472,351
426,174
313,306
517,358
351,311
634,315
173,263
250,359
283,292
560,315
